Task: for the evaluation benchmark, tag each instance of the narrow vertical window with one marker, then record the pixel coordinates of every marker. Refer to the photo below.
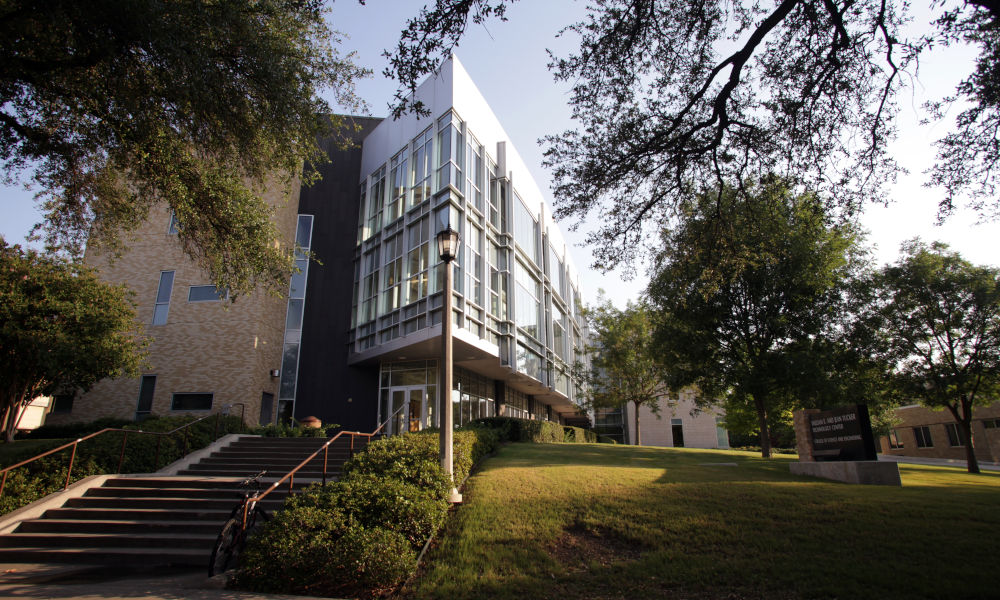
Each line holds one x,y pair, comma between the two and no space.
172,227
144,405
163,298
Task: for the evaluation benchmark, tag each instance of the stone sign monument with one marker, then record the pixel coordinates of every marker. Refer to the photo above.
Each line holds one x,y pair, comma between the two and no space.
838,444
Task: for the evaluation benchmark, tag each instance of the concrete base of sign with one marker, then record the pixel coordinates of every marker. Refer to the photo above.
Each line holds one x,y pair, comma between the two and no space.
868,472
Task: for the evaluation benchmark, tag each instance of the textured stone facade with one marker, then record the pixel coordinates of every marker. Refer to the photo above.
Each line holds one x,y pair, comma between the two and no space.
986,440
223,348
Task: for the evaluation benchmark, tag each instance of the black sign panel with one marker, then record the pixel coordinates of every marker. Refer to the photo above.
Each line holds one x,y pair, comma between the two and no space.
842,433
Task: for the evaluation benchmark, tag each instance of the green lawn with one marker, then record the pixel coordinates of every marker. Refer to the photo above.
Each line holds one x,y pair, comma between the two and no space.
600,521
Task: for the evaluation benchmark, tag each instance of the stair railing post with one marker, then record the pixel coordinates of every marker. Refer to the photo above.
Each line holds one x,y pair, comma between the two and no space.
159,440
291,484
69,470
352,445
4,482
121,455
215,435
326,452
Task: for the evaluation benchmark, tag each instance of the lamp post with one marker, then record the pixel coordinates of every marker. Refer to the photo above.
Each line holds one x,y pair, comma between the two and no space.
447,243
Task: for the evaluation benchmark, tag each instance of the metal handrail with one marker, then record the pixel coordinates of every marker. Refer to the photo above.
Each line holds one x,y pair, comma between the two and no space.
386,422
290,476
121,456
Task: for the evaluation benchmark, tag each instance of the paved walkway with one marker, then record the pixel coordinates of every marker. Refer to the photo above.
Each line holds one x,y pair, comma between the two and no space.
937,462
32,581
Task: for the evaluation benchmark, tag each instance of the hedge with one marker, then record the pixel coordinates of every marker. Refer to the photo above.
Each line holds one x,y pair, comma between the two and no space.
360,536
99,455
511,429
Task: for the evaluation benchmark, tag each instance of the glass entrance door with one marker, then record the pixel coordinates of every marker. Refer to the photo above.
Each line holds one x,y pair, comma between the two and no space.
414,411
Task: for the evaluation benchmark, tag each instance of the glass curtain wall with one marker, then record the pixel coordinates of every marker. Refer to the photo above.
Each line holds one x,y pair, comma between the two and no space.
293,320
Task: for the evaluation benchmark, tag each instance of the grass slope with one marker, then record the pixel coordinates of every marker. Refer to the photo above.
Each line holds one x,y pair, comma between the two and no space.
598,521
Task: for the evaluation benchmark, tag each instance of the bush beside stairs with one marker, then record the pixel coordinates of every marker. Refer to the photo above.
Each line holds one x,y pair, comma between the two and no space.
170,520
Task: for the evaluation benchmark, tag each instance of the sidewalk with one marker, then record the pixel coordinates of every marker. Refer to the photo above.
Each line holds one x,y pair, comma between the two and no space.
937,462
58,582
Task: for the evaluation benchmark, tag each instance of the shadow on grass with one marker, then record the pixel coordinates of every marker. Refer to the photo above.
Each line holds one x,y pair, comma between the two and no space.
685,530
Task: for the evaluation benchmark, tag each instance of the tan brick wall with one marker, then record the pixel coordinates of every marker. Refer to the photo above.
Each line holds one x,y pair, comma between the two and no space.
986,441
700,430
224,348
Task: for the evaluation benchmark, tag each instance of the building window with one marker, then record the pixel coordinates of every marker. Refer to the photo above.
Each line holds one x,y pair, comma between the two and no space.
451,152
556,272
475,173
376,196
191,402
392,275
144,405
423,156
369,286
396,199
527,301
417,260
163,298
473,264
63,403
529,362
894,442
954,436
172,226
294,318
991,423
498,198
558,332
923,436
525,229
206,293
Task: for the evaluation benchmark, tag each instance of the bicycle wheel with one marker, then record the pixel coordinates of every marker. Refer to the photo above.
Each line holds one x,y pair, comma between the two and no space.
225,548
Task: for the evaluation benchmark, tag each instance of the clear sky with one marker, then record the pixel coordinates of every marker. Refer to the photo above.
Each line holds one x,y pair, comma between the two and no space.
508,62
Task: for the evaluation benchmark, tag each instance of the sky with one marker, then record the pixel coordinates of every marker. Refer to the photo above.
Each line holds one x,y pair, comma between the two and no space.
508,62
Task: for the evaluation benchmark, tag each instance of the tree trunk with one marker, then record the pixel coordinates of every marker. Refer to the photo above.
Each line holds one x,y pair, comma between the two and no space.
965,430
964,422
638,437
765,434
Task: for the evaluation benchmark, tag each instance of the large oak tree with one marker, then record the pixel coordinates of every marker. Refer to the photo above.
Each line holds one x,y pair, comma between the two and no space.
671,94
749,297
109,106
941,316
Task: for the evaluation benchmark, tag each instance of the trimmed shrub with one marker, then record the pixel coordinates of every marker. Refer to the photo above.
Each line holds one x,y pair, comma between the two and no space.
323,551
578,435
412,458
511,429
291,431
74,430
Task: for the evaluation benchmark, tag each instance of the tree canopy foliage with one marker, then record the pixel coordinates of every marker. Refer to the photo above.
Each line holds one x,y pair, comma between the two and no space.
114,105
61,329
675,98
623,365
750,303
941,317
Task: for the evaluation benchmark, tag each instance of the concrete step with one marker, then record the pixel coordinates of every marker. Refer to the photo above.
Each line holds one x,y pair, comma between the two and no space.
165,503
136,526
195,494
117,556
196,513
193,541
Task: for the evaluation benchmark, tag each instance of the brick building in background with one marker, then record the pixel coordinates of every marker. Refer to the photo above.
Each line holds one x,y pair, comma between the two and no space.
927,433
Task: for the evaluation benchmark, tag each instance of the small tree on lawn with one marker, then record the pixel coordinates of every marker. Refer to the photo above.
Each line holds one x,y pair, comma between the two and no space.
941,315
60,328
623,367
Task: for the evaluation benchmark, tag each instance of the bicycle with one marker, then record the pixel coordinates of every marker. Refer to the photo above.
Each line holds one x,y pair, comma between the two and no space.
233,535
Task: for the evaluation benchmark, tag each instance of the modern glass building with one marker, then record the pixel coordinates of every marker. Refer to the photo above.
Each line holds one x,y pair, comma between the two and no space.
517,328
358,338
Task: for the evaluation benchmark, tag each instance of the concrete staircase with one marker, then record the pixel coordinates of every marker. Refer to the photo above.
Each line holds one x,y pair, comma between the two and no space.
142,521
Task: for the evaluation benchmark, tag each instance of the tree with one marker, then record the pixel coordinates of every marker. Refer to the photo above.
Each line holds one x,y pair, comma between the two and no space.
623,367
673,95
746,292
113,105
61,329
941,316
